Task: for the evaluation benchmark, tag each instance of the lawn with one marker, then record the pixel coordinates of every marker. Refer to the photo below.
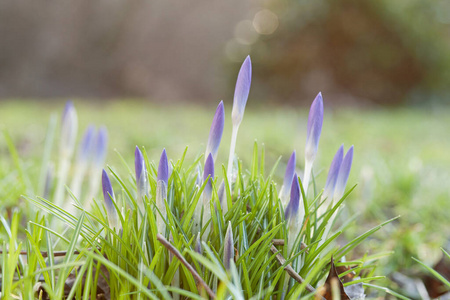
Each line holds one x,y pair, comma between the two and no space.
401,162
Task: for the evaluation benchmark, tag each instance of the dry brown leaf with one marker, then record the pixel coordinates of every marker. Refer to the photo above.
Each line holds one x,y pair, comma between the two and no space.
353,292
332,279
434,286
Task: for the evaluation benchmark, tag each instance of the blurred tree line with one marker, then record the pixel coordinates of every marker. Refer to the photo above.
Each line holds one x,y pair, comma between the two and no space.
161,49
382,51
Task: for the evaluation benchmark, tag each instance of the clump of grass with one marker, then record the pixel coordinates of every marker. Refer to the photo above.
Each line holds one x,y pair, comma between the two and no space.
181,229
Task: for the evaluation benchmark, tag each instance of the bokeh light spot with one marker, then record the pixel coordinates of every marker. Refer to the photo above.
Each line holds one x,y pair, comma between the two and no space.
265,22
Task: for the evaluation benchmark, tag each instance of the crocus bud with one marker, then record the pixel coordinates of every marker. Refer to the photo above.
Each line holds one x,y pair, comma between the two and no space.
240,100
139,164
221,193
344,172
86,145
101,144
108,195
241,91
215,133
341,182
163,168
98,161
66,147
68,129
161,192
228,248
208,172
290,170
141,173
205,204
198,244
84,156
292,208
333,174
294,214
314,128
48,180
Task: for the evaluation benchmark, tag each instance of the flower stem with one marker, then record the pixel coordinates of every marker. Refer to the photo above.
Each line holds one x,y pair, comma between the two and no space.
232,151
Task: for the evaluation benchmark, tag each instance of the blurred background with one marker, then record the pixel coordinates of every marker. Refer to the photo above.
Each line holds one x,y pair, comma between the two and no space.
357,52
153,72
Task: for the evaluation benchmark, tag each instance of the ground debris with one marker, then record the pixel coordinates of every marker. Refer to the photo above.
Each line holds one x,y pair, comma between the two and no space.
334,284
435,287
102,291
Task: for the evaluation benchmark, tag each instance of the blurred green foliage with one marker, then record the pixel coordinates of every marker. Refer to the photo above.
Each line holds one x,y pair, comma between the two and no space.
401,160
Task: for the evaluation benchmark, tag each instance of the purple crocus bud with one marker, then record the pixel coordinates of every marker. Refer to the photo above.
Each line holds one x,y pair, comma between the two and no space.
200,218
208,172
68,129
221,194
215,133
141,170
209,168
67,110
294,214
198,244
85,151
290,171
48,180
240,100
108,195
163,168
139,164
228,248
241,91
162,182
86,145
344,172
101,144
314,128
98,161
333,173
292,208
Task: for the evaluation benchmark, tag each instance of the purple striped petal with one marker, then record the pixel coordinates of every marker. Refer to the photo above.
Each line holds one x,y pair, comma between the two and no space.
141,174
48,181
108,193
86,145
344,172
241,91
100,146
139,164
208,171
221,193
290,171
163,168
216,131
209,168
333,173
198,244
228,248
69,128
68,108
294,203
314,127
